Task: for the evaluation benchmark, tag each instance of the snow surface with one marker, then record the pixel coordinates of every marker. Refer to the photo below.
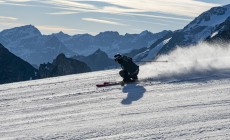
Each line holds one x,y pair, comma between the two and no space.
214,34
172,101
217,16
153,52
204,25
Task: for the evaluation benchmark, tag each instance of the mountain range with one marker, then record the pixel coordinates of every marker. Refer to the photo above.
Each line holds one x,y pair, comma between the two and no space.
28,43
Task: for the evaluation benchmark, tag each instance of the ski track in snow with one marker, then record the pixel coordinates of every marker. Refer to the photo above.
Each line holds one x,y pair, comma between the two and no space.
71,107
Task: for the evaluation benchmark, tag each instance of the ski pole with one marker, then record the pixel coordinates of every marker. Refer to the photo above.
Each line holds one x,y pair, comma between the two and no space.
152,61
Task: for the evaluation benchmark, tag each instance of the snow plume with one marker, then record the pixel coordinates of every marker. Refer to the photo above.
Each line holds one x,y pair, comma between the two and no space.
190,62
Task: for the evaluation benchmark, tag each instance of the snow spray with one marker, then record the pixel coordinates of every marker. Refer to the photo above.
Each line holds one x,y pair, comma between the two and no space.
189,62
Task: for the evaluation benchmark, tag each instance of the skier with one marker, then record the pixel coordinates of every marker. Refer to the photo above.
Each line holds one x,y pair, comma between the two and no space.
129,70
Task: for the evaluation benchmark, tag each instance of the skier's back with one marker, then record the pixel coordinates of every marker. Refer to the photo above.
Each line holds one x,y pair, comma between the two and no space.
129,70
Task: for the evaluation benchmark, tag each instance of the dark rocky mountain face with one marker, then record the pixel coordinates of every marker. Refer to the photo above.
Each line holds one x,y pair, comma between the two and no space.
222,33
62,66
14,69
99,60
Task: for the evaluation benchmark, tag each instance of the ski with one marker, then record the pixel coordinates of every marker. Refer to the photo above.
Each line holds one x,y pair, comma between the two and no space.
105,84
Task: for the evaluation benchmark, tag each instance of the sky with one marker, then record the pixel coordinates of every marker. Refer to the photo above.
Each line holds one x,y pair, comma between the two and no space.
95,16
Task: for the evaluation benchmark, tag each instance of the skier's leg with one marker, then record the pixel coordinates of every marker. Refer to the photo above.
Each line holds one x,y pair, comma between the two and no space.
124,74
121,73
134,76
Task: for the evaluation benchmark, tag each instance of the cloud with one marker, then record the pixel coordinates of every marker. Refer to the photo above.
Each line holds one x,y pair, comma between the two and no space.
69,4
5,24
8,22
15,2
162,12
63,13
181,10
7,18
140,21
50,29
159,17
102,21
175,7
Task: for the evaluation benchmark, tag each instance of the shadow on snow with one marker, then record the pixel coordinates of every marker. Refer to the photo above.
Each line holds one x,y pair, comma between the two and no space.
135,92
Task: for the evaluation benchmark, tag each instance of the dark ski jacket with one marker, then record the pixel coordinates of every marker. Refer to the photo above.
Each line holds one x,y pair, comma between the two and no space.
128,65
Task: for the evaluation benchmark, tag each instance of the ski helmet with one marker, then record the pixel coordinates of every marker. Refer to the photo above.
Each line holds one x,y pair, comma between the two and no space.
117,56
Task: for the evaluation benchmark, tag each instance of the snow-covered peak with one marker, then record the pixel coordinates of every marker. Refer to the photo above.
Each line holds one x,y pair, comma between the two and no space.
98,51
22,32
62,36
211,18
144,33
82,36
108,34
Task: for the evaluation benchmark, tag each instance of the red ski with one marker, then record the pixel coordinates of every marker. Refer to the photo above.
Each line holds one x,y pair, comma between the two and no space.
105,84
108,84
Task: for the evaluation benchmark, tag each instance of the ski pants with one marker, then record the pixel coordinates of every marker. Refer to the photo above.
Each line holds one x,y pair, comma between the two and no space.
128,76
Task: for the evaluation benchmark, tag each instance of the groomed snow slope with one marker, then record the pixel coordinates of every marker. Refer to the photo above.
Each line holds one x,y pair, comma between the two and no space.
195,105
71,107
